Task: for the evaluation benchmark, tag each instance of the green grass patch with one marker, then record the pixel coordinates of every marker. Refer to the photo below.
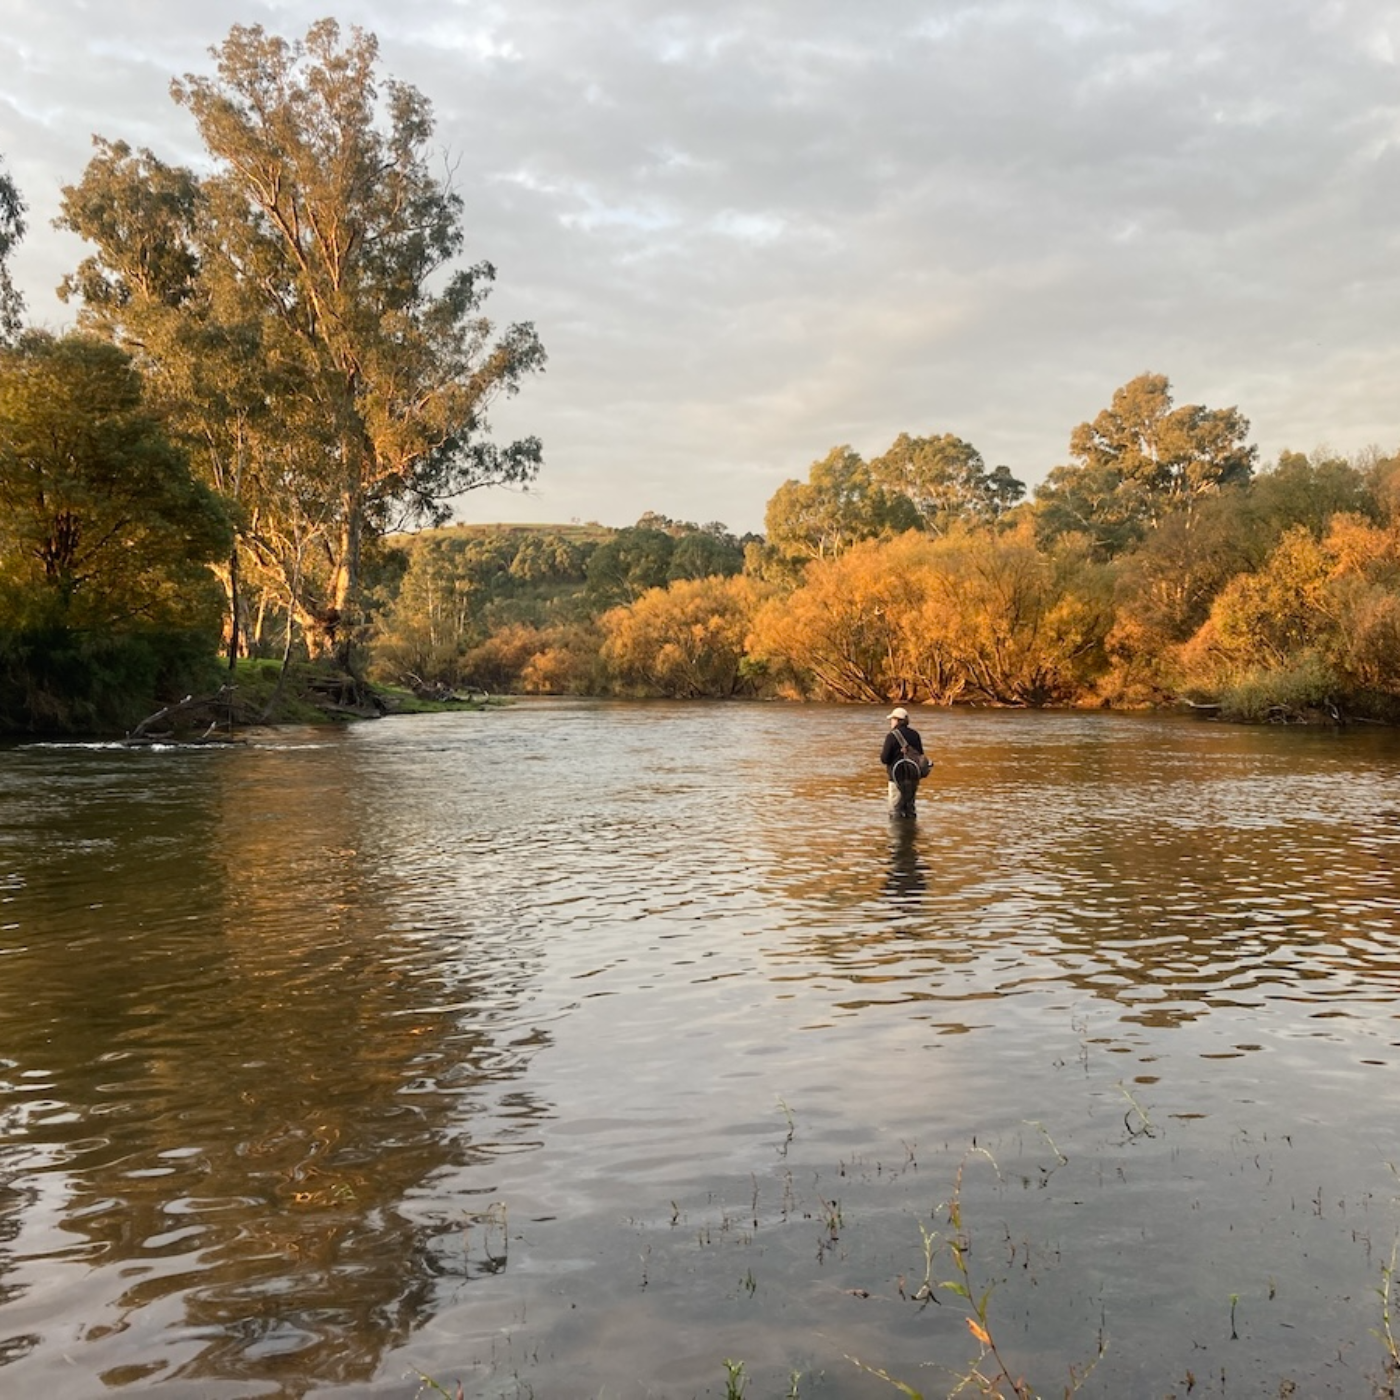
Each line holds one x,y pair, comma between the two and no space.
317,692
257,701
1287,693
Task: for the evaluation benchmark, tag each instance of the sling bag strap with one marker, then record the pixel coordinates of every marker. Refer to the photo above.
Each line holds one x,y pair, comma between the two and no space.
910,754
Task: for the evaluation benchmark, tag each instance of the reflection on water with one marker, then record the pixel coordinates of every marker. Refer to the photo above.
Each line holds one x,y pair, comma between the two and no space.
432,1046
231,1068
908,875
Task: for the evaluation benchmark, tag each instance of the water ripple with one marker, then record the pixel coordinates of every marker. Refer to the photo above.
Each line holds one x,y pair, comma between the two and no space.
284,1027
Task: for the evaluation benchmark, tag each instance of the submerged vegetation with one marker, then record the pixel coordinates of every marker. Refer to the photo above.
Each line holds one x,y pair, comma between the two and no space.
981,1285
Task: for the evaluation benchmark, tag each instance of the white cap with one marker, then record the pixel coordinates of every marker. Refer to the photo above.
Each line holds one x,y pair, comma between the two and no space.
899,712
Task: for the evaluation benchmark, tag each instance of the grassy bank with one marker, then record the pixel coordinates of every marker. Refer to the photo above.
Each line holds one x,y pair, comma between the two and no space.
259,692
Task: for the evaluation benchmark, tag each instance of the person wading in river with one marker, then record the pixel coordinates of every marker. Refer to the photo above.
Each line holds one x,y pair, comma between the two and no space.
898,754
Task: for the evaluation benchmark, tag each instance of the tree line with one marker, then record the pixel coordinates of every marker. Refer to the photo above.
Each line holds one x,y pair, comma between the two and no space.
1159,564
280,382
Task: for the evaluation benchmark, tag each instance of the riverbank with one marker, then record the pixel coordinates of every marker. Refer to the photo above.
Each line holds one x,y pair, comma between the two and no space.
262,693
259,693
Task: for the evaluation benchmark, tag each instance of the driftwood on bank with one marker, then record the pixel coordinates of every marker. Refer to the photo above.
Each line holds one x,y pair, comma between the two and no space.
443,694
1326,712
1203,710
346,695
334,694
222,700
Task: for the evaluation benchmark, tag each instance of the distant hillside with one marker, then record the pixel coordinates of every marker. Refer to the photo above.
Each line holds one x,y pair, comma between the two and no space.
503,607
590,533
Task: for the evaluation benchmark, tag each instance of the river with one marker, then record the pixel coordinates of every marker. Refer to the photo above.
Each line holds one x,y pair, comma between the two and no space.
579,1049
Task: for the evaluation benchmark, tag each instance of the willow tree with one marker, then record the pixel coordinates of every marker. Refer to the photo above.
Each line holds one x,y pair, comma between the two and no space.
685,641
844,634
322,240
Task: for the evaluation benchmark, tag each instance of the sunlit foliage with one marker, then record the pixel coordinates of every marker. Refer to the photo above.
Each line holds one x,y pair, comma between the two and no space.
1326,610
464,588
946,481
1023,626
976,615
1139,461
520,657
844,634
304,312
101,525
684,641
837,506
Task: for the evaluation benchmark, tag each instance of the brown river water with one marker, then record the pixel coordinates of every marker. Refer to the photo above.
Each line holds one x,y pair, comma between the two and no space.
580,1049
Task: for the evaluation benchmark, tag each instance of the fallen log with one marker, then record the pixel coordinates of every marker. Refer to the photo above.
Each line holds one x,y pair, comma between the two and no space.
141,734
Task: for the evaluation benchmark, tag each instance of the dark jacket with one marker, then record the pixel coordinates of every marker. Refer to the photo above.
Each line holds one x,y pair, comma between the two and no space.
892,749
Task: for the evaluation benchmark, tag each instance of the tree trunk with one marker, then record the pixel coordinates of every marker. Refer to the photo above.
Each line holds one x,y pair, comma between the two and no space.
344,622
234,604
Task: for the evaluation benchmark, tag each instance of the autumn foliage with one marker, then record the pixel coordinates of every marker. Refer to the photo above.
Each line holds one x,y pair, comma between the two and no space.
683,641
974,616
1156,566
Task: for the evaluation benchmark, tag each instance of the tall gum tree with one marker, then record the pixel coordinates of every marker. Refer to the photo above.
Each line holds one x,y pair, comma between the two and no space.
199,339
947,481
838,505
1140,460
322,228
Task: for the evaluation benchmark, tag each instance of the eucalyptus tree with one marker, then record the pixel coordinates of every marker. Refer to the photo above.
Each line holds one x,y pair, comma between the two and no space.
711,552
201,342
947,481
1140,460
635,559
838,505
323,243
1309,489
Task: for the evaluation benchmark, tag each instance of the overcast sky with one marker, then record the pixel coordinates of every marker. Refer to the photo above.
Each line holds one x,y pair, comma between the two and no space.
749,232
